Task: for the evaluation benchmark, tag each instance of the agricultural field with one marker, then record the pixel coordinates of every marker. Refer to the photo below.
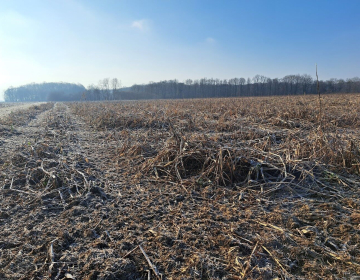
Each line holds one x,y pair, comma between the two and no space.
235,188
11,108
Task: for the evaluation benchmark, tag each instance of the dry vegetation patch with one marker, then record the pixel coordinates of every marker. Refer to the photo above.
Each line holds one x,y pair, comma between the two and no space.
248,188
18,118
265,156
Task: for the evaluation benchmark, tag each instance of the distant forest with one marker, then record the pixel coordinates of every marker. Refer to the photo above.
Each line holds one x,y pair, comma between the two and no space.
203,88
110,89
44,92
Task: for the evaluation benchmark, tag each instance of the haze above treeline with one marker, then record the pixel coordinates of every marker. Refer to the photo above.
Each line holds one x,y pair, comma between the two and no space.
111,89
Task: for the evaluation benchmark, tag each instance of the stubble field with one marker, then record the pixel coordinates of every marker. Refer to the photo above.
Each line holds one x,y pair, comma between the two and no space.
245,188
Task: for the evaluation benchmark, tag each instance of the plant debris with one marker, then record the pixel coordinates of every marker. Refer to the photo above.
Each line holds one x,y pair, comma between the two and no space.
246,188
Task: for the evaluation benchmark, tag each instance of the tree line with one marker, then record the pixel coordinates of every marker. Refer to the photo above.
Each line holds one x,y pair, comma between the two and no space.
204,88
44,92
236,87
111,89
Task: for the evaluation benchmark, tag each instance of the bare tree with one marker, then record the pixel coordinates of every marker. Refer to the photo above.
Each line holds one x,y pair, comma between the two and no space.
116,85
104,85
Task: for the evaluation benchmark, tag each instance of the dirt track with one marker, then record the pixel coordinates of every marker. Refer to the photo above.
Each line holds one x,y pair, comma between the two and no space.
30,208
53,199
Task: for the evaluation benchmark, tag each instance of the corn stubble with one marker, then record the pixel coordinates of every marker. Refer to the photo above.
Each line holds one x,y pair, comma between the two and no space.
246,188
256,188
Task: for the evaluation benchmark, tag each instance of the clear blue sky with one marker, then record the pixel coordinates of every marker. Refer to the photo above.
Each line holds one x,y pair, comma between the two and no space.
139,41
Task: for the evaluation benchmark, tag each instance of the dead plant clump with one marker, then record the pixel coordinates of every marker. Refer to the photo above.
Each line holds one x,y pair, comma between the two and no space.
247,188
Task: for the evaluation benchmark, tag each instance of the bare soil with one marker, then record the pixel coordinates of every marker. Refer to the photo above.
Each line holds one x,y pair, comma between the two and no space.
197,189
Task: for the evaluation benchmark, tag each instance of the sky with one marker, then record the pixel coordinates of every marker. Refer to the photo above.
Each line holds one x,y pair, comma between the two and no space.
138,41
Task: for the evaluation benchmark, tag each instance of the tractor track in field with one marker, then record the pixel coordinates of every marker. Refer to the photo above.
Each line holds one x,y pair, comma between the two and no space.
29,154
55,196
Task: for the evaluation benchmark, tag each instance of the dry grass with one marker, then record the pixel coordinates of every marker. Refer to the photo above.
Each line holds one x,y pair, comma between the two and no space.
246,188
17,118
286,126
253,168
5,105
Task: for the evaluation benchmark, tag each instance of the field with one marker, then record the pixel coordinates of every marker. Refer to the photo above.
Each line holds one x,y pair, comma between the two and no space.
245,188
